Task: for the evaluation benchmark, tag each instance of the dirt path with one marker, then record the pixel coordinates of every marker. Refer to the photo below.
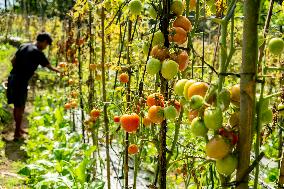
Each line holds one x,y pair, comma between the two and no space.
12,157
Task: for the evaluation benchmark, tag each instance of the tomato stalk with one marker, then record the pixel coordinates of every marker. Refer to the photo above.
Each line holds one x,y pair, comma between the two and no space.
106,121
164,25
128,100
80,75
176,135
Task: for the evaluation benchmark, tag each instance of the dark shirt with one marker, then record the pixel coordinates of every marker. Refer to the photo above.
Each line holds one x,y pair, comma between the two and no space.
28,57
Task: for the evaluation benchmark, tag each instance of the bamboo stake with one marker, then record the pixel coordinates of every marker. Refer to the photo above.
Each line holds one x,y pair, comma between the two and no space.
248,85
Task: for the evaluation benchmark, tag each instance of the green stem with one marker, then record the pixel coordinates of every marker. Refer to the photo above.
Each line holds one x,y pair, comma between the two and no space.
136,164
272,95
224,28
177,129
104,97
257,141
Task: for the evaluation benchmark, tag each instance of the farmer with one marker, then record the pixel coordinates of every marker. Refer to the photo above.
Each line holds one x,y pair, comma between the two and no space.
25,62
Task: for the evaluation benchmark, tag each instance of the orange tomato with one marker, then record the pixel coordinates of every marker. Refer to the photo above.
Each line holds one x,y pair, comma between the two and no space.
71,81
146,121
62,64
178,171
197,88
74,94
236,94
130,123
123,78
155,99
182,60
74,103
133,149
178,35
67,106
156,114
192,4
159,52
92,66
183,22
95,113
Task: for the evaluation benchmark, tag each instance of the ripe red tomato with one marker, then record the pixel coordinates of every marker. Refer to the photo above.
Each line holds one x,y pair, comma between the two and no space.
116,119
232,136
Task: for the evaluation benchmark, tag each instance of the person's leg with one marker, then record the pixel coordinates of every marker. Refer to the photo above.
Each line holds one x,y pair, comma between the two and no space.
18,117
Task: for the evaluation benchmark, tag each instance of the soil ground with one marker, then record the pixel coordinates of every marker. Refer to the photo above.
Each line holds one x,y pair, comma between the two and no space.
12,157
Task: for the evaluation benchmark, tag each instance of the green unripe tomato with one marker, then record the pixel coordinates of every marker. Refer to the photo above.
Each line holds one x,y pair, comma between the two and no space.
135,7
276,46
170,112
264,105
179,86
97,49
213,118
224,99
198,127
177,7
266,116
169,69
196,102
158,38
280,109
186,86
146,47
153,66
227,165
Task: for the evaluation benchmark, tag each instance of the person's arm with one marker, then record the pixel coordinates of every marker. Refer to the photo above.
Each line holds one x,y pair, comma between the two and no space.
13,60
50,67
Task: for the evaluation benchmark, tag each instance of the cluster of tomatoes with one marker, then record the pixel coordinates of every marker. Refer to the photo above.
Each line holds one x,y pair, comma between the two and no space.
205,114
168,61
72,101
